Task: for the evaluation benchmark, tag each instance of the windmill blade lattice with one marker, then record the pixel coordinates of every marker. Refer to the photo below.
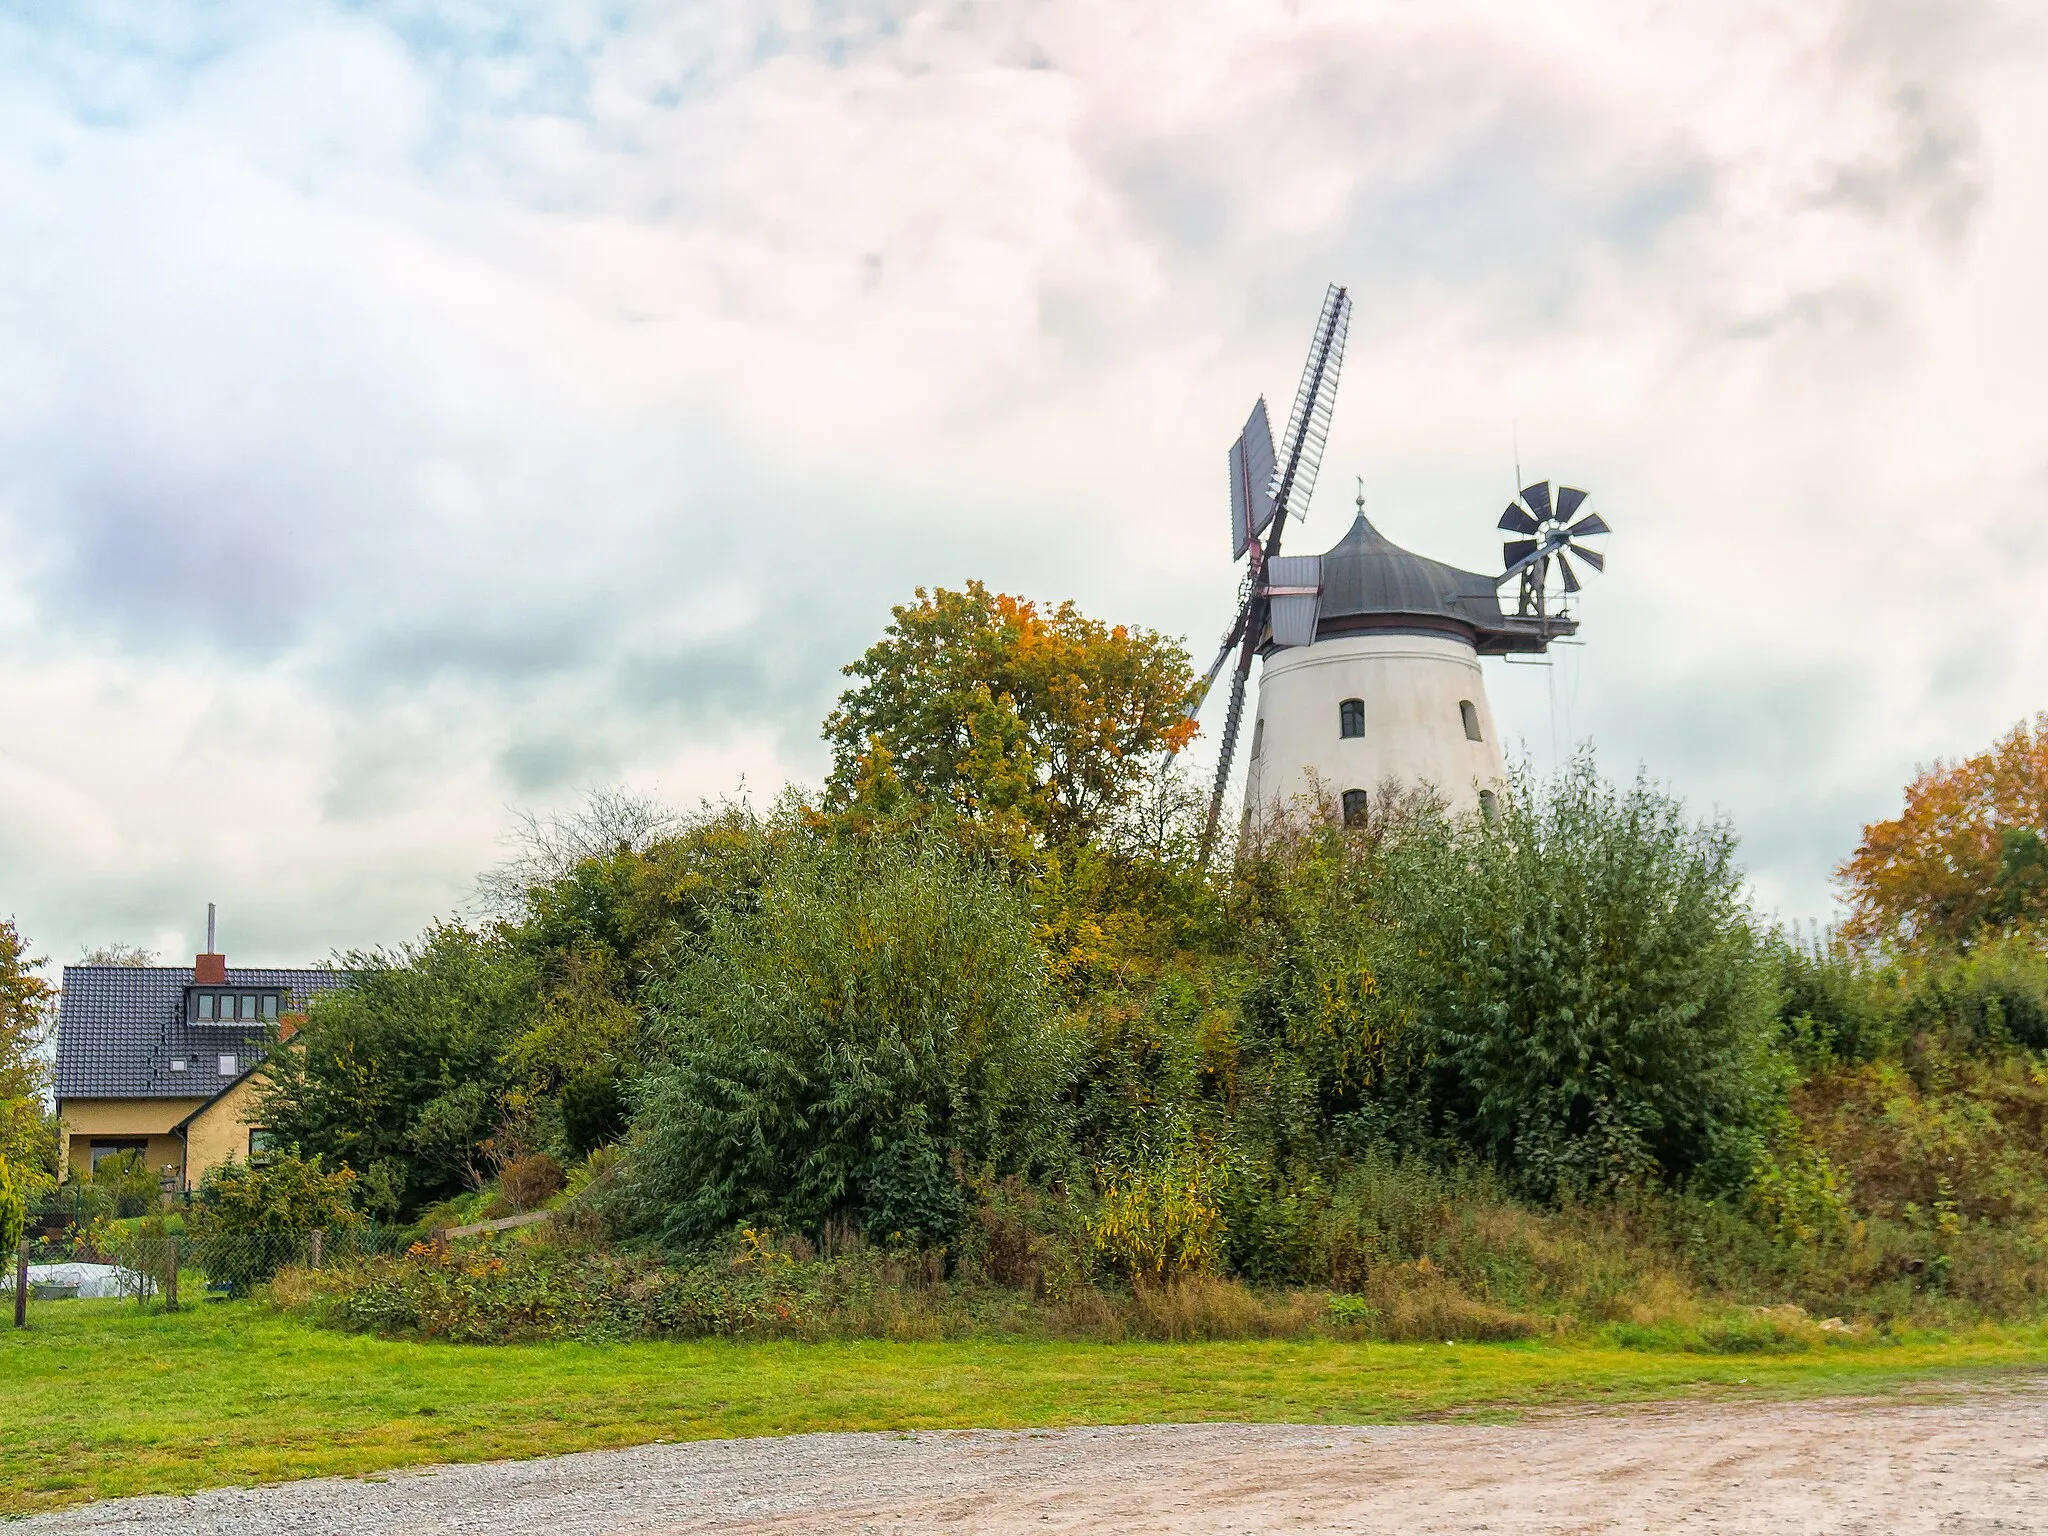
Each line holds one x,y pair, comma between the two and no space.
1308,427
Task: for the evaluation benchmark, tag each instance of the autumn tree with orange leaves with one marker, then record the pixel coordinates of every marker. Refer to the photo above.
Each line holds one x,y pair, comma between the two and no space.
1968,857
994,705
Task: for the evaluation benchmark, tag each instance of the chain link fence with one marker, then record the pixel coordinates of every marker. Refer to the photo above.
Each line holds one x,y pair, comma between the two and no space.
168,1272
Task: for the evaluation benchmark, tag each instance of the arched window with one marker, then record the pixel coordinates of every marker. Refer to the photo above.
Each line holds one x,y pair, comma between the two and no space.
1259,736
1354,807
1471,718
1351,718
1489,806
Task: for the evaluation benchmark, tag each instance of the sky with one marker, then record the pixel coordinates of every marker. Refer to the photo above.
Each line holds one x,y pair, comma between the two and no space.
415,414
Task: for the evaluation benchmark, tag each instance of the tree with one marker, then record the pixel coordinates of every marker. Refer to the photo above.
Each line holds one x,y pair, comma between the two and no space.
27,1137
1967,856
992,705
400,1075
133,956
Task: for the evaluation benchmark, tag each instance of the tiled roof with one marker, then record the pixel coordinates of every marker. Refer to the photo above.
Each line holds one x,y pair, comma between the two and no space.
119,1028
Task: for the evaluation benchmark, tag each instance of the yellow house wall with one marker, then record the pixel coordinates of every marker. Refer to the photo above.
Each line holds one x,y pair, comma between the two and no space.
87,1120
221,1133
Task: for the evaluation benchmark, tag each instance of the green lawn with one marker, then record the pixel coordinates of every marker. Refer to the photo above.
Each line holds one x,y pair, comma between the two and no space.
97,1401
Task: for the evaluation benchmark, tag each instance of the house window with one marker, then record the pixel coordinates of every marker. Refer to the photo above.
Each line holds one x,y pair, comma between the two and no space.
1489,806
102,1150
235,1007
229,1066
1351,718
261,1145
1471,718
1354,807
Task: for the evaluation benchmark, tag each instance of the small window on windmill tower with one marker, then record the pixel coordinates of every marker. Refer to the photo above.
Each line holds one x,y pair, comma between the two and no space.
1489,806
1259,736
1354,807
1351,718
1471,718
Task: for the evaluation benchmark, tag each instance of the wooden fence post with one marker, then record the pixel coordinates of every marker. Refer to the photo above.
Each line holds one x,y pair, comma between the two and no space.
171,1278
21,1284
317,1235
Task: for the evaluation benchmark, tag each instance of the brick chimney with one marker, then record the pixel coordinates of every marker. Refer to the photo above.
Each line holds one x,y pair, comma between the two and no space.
209,969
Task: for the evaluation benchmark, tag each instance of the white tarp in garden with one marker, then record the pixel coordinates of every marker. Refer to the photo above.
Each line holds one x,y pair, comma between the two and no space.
92,1280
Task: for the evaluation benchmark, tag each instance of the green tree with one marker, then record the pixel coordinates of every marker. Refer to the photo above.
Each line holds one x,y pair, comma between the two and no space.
401,1075
846,1048
28,1135
988,704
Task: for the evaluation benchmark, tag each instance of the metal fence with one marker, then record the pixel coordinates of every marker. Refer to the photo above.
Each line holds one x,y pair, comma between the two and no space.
169,1272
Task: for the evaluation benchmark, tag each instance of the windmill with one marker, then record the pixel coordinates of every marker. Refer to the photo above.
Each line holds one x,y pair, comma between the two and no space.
1265,490
1549,534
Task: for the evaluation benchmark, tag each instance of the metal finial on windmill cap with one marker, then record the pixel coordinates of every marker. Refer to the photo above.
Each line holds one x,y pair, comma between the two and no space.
1361,494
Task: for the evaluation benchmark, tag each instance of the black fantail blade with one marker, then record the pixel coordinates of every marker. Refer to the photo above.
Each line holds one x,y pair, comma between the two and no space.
1515,551
1571,581
1538,497
1592,557
1568,500
1587,526
1516,520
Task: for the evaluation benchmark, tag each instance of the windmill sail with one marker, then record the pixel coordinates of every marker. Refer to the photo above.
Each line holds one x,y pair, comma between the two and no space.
1308,428
1251,481
1296,591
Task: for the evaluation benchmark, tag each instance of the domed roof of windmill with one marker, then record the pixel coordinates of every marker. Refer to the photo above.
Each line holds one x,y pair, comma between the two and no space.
1371,583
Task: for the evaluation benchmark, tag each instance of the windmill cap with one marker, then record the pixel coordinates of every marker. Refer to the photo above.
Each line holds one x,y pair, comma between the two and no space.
1372,583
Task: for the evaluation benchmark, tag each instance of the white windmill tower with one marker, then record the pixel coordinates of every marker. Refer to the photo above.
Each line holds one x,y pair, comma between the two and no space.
1372,671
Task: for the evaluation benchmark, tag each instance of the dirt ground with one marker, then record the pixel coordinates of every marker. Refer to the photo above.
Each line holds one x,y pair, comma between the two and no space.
1938,1461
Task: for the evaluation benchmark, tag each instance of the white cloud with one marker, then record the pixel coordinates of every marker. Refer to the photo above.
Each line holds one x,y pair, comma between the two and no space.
407,413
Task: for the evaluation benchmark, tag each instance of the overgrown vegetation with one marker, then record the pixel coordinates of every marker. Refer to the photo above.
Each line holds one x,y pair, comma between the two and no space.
974,1043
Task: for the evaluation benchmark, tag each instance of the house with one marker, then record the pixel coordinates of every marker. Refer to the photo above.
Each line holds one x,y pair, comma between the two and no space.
161,1059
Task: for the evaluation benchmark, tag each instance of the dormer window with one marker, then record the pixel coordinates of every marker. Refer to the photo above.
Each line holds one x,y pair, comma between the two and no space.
230,1005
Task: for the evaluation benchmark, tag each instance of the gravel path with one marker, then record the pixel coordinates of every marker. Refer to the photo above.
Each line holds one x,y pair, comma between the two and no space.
1961,1462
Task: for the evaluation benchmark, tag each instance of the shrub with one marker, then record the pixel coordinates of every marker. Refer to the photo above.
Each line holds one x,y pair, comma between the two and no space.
530,1181
1162,1217
286,1193
251,1220
129,1187
846,1048
13,1212
1589,1002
